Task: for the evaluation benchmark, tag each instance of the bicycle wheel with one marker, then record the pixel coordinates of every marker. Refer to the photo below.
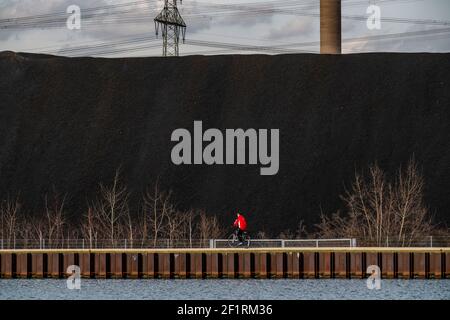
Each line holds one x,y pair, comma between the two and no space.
233,240
246,240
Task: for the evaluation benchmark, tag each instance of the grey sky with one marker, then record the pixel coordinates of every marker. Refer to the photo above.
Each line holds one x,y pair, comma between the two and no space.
211,23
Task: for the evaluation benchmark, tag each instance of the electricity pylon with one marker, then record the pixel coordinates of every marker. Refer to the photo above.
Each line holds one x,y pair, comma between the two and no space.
172,25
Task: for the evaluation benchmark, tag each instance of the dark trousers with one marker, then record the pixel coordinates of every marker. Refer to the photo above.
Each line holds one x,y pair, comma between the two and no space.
239,233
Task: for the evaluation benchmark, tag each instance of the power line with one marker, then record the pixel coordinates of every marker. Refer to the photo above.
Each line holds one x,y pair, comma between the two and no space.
208,10
115,47
64,14
92,48
118,46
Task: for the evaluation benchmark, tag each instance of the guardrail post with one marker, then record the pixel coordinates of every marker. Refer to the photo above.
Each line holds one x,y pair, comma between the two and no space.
211,243
317,243
282,243
431,241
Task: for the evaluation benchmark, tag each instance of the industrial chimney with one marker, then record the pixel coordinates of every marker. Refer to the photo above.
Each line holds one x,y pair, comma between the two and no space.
330,26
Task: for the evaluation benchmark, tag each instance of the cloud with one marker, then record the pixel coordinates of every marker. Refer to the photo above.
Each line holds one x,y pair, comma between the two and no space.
194,23
244,20
201,16
14,8
417,43
99,27
294,28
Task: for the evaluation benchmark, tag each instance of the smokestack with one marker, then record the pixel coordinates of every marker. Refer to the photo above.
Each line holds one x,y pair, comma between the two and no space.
330,26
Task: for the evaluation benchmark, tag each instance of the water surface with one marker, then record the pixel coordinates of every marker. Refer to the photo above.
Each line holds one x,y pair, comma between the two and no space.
285,289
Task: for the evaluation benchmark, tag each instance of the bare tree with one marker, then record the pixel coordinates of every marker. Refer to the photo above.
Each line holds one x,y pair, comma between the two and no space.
261,235
89,227
129,227
410,210
9,212
190,217
175,225
301,230
38,226
26,232
208,227
54,213
286,234
141,228
379,211
111,207
156,206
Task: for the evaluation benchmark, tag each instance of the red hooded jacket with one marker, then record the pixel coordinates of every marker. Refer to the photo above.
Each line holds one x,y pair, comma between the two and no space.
240,223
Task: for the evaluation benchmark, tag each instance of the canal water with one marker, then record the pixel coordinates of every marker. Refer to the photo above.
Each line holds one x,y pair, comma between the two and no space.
285,289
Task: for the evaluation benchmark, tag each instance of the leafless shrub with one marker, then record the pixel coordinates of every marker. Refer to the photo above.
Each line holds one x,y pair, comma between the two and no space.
301,230
286,234
209,227
156,207
9,216
190,217
111,208
55,218
380,211
261,235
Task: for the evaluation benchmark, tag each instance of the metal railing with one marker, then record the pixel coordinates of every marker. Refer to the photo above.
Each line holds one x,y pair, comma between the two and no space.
168,243
430,241
394,241
290,243
102,243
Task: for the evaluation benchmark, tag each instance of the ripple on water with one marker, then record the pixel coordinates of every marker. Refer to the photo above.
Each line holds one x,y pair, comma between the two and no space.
249,289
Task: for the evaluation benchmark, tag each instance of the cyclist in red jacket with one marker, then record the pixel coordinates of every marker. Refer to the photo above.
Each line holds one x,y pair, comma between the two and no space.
241,226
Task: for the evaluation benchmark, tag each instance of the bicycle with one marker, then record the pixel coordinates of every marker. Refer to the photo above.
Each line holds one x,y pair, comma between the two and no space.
233,240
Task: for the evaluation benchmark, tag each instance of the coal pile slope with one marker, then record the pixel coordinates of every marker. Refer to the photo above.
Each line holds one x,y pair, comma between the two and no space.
67,124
